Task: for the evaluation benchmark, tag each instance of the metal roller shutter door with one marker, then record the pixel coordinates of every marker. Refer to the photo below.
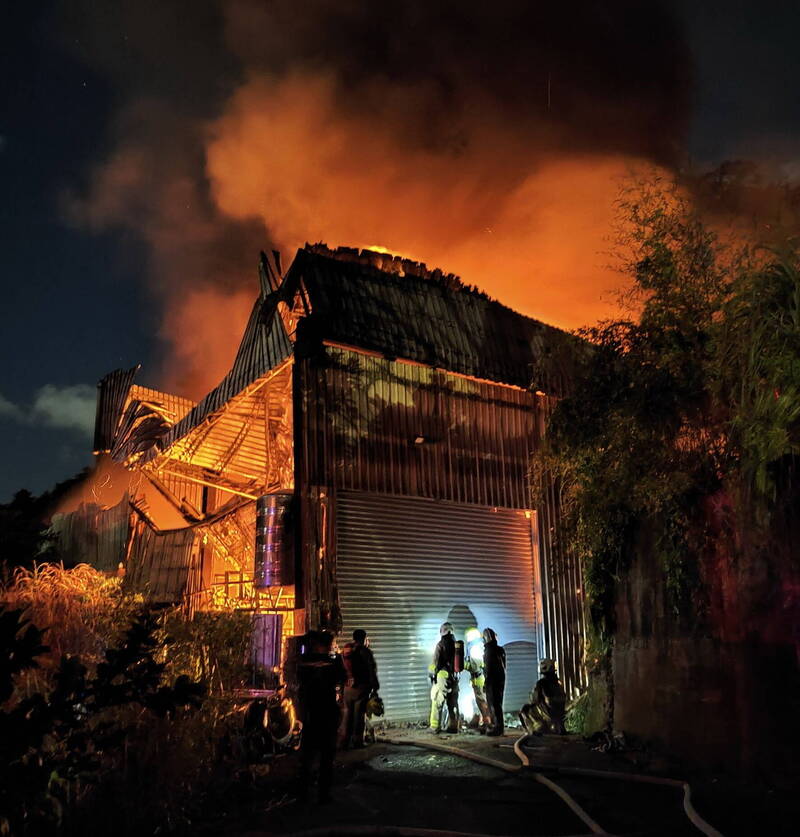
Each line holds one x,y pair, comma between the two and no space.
404,565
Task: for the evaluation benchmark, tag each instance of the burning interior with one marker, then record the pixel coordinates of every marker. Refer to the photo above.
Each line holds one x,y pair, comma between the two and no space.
364,463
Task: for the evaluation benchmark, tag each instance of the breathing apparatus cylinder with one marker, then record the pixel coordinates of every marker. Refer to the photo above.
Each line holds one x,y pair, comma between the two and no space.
458,663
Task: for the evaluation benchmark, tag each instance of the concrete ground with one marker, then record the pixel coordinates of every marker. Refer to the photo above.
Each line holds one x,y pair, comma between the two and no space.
400,786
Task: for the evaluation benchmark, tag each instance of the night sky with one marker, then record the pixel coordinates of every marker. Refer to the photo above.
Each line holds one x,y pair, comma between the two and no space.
110,219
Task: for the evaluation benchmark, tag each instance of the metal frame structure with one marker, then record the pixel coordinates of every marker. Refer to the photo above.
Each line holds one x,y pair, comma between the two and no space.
357,372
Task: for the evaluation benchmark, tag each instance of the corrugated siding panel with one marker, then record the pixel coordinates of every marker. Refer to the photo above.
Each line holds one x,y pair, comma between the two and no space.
162,565
562,598
561,577
406,311
363,414
112,391
264,345
404,564
93,535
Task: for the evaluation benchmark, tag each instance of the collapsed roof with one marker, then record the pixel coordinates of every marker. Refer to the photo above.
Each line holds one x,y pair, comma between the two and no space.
362,299
400,309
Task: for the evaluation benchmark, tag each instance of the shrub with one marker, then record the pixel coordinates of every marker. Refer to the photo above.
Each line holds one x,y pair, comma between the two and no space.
58,746
212,647
84,611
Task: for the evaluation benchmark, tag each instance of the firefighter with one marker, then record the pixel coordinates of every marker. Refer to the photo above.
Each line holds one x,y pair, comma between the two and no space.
548,700
444,683
474,665
494,666
362,681
320,674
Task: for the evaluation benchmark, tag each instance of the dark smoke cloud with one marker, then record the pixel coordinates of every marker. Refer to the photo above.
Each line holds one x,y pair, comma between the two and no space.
618,72
440,129
172,72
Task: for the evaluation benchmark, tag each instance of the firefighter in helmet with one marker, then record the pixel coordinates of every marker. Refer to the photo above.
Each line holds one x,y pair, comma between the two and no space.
474,665
547,707
494,666
444,682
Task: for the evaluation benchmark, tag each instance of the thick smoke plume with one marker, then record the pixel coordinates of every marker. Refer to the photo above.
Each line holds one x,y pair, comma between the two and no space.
487,139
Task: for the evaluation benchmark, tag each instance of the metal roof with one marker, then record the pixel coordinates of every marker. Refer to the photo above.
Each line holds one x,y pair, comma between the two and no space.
131,418
235,446
363,299
112,393
401,309
264,346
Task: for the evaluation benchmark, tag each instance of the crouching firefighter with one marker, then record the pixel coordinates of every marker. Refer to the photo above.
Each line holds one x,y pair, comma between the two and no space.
548,700
474,665
444,682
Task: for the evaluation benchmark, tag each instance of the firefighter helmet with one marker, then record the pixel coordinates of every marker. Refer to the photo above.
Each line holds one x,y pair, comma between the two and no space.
547,666
445,628
472,635
374,706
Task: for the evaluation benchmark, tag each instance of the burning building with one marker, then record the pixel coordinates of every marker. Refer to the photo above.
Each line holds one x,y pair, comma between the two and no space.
363,464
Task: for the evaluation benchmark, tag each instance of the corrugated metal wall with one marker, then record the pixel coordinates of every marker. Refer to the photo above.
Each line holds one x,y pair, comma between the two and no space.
561,581
93,535
363,415
562,597
112,391
162,565
357,417
406,565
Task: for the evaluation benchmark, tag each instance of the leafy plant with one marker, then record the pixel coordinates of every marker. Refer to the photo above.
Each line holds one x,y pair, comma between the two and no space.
697,397
212,647
56,745
85,610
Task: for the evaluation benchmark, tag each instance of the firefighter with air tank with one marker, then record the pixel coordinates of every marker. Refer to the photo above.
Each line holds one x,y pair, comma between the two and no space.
546,710
474,665
443,672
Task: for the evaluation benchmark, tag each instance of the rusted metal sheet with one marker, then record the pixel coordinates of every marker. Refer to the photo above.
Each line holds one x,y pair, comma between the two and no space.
371,424
93,535
561,578
264,346
316,588
399,308
163,565
112,393
562,598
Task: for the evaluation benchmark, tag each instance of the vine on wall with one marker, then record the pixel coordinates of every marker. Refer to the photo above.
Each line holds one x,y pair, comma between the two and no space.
695,396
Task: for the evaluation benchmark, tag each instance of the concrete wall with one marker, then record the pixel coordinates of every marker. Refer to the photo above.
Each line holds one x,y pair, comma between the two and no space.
718,686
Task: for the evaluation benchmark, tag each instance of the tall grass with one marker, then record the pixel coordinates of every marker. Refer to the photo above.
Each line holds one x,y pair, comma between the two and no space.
173,769
83,611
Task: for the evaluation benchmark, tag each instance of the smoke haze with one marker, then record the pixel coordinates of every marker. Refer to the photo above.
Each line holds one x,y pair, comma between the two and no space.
486,139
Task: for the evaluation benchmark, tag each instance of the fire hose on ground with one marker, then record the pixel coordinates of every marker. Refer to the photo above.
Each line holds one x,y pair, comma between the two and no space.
525,765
